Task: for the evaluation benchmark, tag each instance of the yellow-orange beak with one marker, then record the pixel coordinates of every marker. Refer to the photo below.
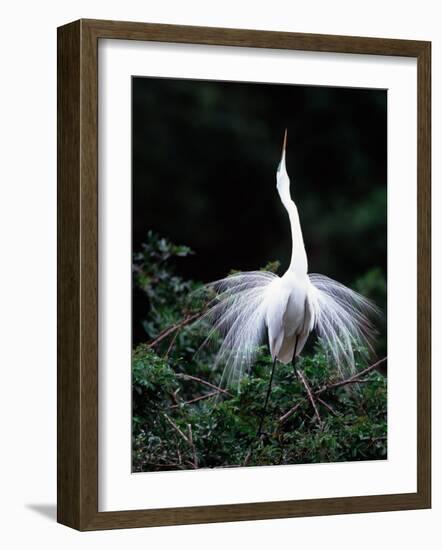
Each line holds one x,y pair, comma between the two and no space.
284,143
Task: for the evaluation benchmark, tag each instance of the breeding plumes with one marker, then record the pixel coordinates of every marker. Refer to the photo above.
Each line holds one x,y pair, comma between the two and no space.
248,306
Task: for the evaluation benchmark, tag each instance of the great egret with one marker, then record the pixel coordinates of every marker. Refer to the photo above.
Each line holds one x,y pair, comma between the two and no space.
250,305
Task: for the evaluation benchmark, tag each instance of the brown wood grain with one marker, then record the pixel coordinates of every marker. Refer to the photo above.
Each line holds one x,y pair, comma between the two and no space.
68,276
77,222
424,274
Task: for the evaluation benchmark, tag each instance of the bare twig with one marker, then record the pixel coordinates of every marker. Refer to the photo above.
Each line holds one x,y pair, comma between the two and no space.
170,330
174,397
176,428
327,406
189,429
194,400
353,379
171,344
192,444
188,439
310,395
247,458
201,381
290,412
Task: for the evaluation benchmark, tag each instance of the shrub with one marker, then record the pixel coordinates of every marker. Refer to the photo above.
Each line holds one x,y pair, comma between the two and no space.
181,420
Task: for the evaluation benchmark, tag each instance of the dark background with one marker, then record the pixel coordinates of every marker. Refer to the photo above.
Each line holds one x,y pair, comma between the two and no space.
204,162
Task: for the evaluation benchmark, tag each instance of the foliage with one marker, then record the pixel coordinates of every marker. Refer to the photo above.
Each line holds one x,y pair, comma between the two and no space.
175,426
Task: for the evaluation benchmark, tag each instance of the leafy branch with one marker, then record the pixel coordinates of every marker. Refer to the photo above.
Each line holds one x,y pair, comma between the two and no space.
178,423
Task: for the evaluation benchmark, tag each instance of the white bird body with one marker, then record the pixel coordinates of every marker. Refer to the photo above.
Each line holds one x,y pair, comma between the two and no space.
250,305
289,315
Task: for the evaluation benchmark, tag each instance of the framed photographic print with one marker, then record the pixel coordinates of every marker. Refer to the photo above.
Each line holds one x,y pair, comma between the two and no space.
243,246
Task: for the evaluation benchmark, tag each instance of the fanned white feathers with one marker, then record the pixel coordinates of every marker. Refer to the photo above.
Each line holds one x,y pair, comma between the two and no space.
237,314
250,305
342,321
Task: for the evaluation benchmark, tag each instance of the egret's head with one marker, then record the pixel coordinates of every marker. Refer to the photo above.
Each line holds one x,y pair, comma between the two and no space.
282,178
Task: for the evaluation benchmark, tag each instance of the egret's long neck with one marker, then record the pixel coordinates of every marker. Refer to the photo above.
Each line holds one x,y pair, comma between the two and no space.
298,263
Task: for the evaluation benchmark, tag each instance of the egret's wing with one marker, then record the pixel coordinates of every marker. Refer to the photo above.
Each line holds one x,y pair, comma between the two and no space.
237,315
342,320
307,327
282,341
278,297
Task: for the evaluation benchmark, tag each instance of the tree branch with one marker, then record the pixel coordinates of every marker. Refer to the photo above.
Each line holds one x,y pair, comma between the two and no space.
176,428
188,439
310,395
171,344
327,406
192,444
194,400
353,379
289,413
201,381
170,330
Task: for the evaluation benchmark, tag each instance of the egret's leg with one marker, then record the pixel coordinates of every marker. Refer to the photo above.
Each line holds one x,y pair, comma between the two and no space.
258,433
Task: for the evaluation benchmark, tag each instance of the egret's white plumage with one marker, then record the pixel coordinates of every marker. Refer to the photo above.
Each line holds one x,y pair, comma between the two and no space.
250,305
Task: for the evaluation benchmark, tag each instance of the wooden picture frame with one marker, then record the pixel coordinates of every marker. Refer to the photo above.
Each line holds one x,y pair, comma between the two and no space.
78,274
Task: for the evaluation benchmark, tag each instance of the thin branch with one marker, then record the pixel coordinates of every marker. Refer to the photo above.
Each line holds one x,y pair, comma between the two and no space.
353,379
189,429
188,439
170,330
327,406
310,395
176,428
205,382
247,457
192,444
290,412
171,344
194,400
343,383
174,397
